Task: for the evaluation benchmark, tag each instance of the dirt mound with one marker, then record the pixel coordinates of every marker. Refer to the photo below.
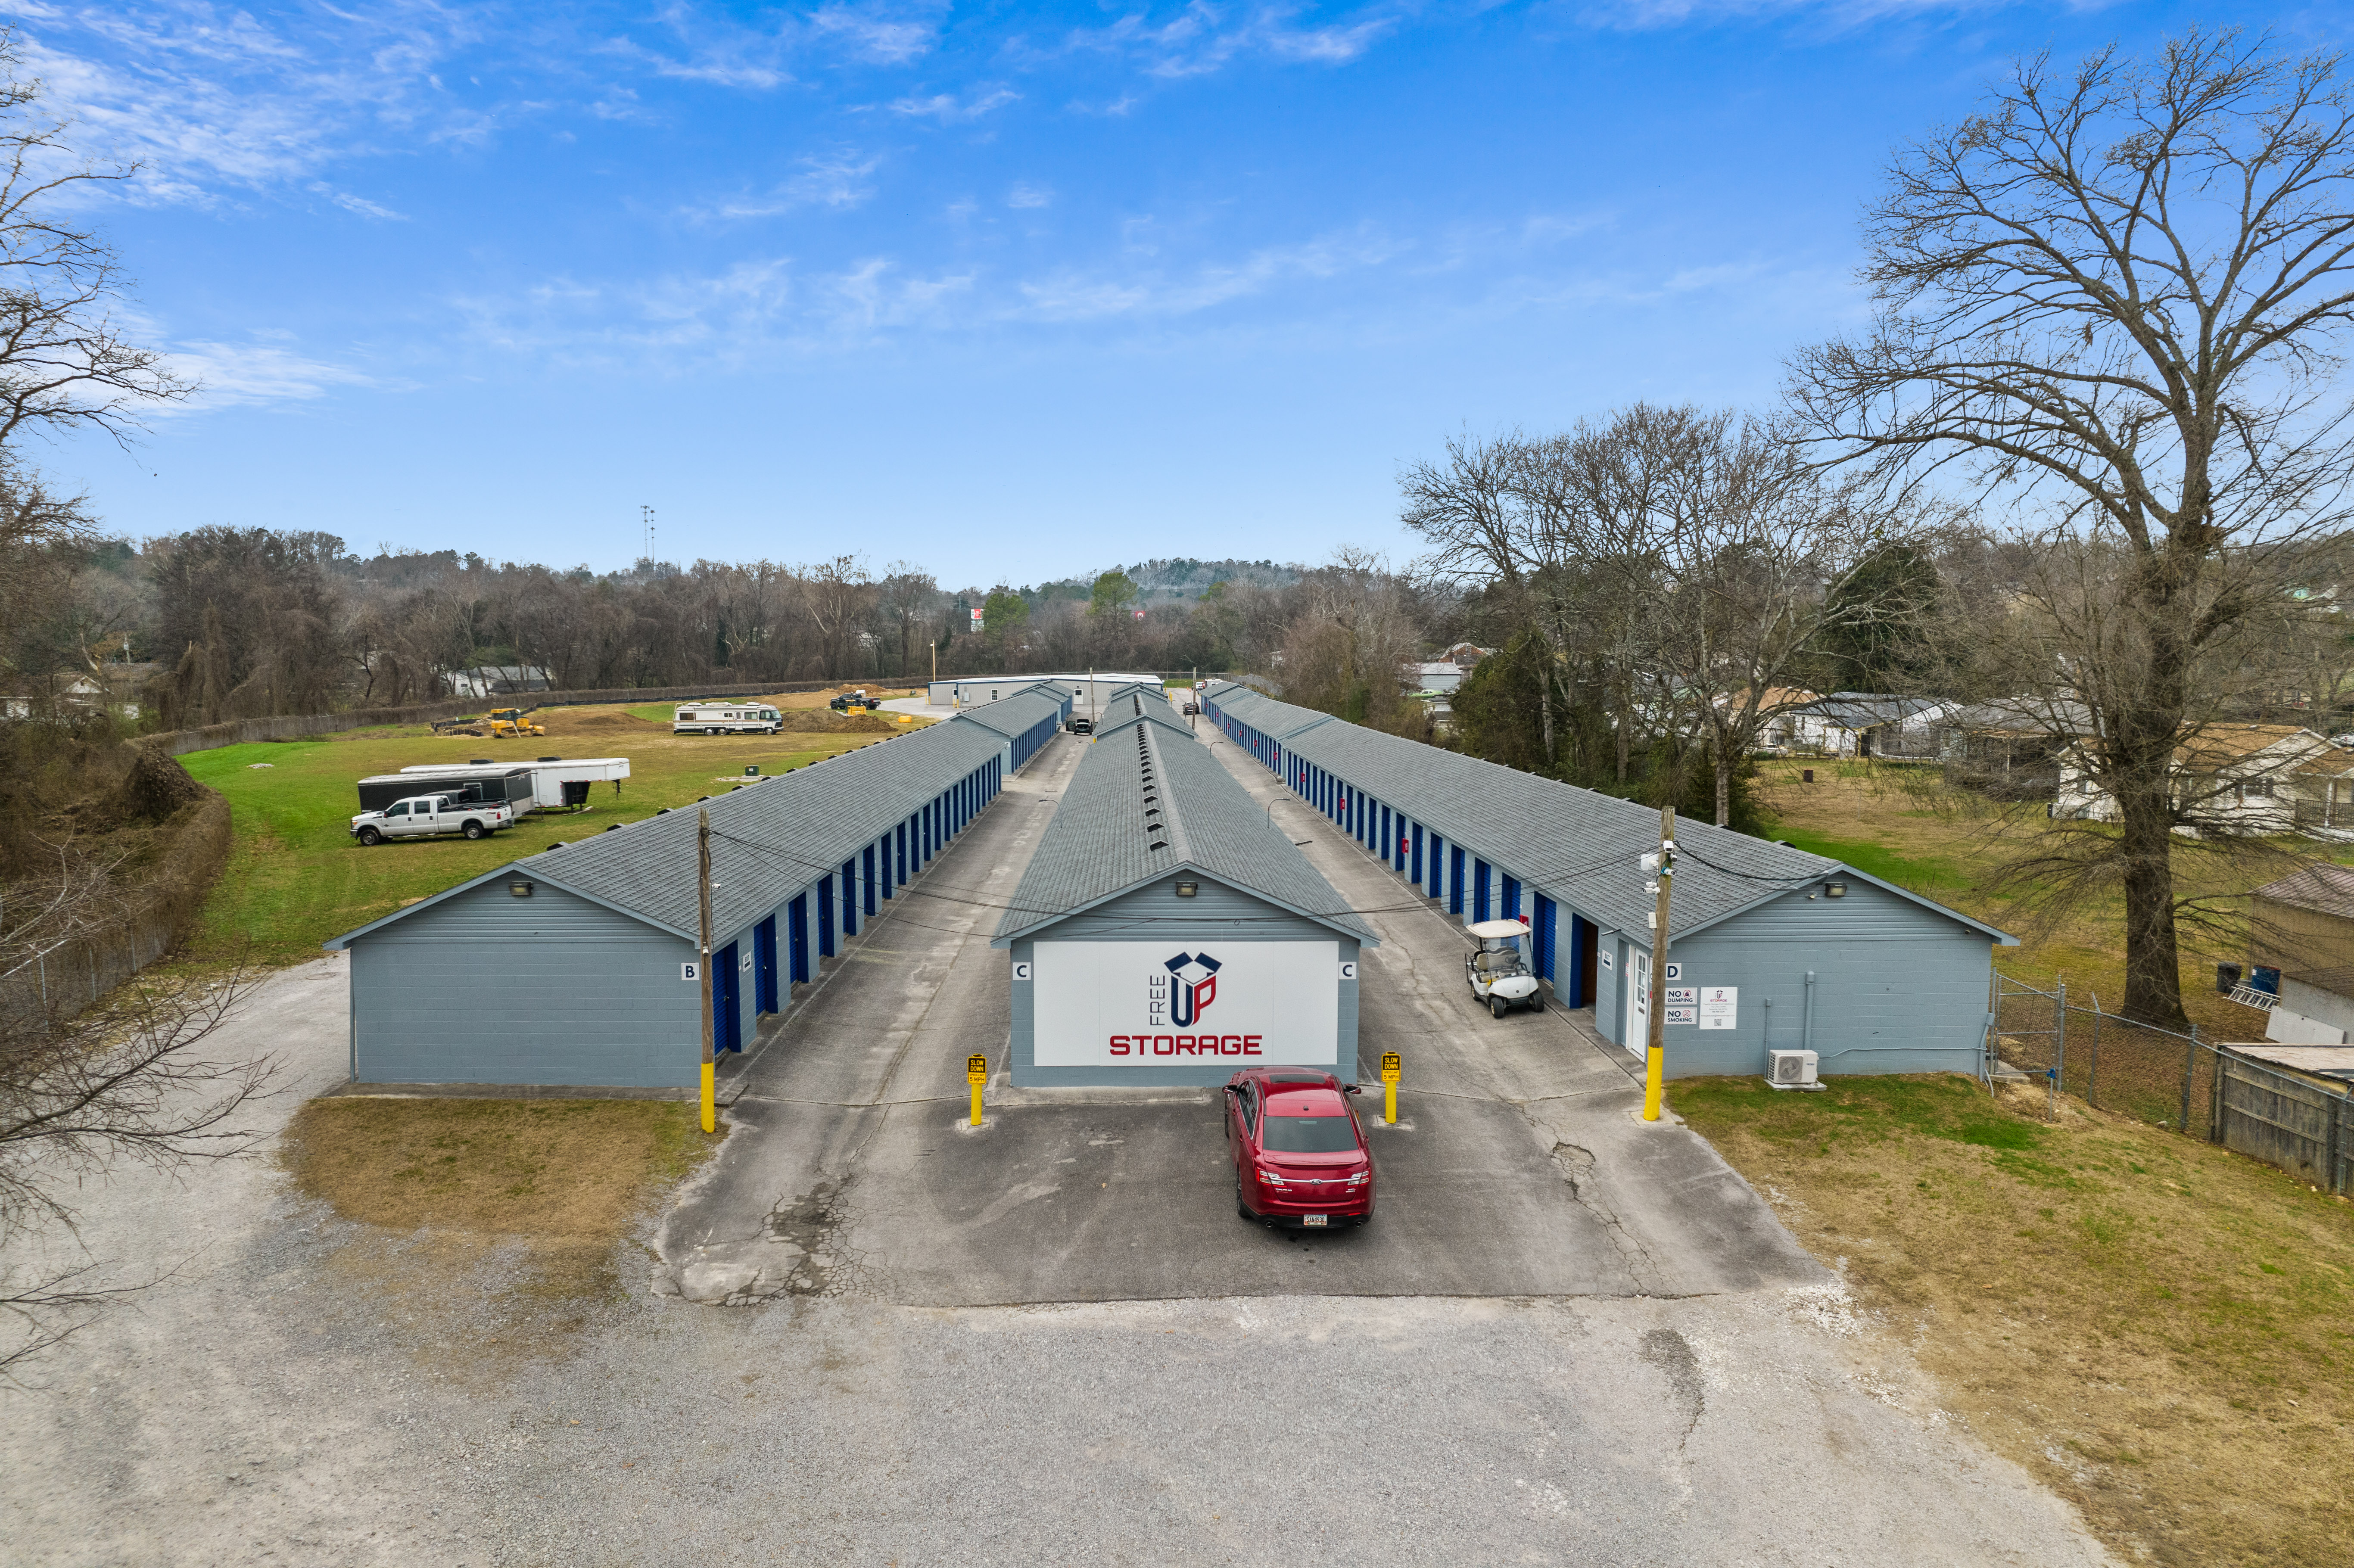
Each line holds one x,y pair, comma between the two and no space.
608,721
824,721
156,786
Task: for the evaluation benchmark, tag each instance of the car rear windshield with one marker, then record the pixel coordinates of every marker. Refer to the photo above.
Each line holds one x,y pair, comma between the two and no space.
1309,1135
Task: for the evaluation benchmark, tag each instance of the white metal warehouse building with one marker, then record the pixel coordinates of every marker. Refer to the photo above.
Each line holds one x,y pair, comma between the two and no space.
576,966
1770,945
1166,932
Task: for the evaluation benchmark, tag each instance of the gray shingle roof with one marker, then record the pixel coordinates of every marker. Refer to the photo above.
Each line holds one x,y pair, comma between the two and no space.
1577,846
1015,715
2323,888
1127,713
1865,710
1098,843
767,839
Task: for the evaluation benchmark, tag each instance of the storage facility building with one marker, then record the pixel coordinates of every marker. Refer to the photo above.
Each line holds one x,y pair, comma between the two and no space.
1770,945
970,691
1025,720
579,966
1167,933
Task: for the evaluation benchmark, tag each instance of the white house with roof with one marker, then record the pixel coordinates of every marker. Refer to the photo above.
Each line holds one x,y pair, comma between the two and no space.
2237,779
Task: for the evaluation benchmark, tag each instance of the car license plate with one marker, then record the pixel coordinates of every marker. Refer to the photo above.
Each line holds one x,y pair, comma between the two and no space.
1311,1219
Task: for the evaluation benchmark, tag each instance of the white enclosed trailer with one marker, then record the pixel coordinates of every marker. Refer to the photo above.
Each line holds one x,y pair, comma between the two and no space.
554,781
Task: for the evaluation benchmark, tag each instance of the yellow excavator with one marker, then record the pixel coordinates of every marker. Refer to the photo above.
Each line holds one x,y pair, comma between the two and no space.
509,724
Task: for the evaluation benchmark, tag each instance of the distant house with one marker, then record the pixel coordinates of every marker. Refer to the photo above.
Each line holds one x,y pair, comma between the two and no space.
1467,654
2301,937
2012,746
2237,779
1442,675
114,687
497,681
1861,724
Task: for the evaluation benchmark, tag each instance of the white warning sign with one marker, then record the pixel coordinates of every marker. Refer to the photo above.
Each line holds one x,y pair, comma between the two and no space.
1720,1006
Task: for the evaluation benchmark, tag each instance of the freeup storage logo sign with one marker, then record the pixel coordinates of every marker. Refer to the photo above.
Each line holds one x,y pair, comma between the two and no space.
1195,987
1143,1004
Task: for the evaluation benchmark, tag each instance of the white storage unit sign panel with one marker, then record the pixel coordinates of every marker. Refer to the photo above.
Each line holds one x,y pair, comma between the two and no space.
1145,1004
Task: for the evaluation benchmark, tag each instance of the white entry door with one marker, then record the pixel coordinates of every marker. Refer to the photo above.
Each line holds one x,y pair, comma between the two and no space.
1636,1035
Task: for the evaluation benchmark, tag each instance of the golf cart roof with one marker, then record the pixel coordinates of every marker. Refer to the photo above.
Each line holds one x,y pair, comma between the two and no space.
1495,930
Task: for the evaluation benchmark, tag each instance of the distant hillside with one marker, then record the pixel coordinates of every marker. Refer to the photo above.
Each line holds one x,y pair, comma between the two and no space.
1180,577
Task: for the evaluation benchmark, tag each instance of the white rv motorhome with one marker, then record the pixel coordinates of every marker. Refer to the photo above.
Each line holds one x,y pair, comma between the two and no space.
725,718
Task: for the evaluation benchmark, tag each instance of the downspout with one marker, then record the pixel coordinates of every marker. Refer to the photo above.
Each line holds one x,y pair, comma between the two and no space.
1806,1034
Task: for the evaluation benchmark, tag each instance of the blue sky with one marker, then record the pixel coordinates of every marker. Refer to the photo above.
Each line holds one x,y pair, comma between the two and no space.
1009,291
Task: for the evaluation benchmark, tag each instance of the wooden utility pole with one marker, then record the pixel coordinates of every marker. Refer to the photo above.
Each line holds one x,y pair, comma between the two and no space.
1655,1058
710,981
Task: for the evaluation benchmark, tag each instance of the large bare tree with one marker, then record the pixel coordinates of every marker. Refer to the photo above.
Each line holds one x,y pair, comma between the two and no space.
2112,299
65,359
1678,564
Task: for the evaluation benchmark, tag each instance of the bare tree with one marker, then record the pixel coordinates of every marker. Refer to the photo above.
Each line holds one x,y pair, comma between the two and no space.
1677,565
65,362
2113,293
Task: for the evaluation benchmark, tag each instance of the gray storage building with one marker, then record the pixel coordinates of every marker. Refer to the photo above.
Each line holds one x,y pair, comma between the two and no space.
1166,932
1024,720
575,966
1770,945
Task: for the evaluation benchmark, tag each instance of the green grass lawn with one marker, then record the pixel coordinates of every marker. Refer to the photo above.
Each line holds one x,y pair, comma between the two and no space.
1935,876
296,877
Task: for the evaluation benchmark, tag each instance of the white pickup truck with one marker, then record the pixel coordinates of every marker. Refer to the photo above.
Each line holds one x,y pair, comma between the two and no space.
423,816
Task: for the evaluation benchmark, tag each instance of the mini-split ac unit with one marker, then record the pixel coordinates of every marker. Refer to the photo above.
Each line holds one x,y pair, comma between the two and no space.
1790,1070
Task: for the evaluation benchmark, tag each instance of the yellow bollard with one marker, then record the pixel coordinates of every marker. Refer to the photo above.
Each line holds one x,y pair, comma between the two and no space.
1389,1086
976,1073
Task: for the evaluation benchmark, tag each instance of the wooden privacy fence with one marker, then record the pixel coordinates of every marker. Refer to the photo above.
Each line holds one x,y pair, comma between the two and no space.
2288,1121
2172,1080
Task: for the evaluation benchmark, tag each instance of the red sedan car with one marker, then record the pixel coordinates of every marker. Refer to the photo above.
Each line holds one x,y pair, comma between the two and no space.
1299,1156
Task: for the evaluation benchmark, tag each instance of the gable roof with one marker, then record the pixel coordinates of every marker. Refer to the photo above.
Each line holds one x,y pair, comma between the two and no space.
1563,840
2323,888
1161,713
1016,715
768,839
1865,710
1100,842
2220,746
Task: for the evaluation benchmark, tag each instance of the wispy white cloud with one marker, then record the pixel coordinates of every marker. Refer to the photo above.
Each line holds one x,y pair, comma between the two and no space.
876,36
1076,296
357,204
265,370
1024,194
743,314
949,110
1640,16
836,180
1202,37
208,100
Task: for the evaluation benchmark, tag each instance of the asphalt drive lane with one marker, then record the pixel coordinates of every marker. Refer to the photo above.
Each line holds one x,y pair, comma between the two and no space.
1680,1221
852,1169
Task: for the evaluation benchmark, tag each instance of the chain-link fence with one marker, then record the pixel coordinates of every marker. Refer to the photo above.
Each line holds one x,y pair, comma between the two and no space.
2170,1080
2153,1075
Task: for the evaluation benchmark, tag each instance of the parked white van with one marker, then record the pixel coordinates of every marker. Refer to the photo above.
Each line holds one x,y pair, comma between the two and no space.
725,718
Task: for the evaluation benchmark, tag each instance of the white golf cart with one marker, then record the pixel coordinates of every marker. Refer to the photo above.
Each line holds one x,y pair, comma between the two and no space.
1498,976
